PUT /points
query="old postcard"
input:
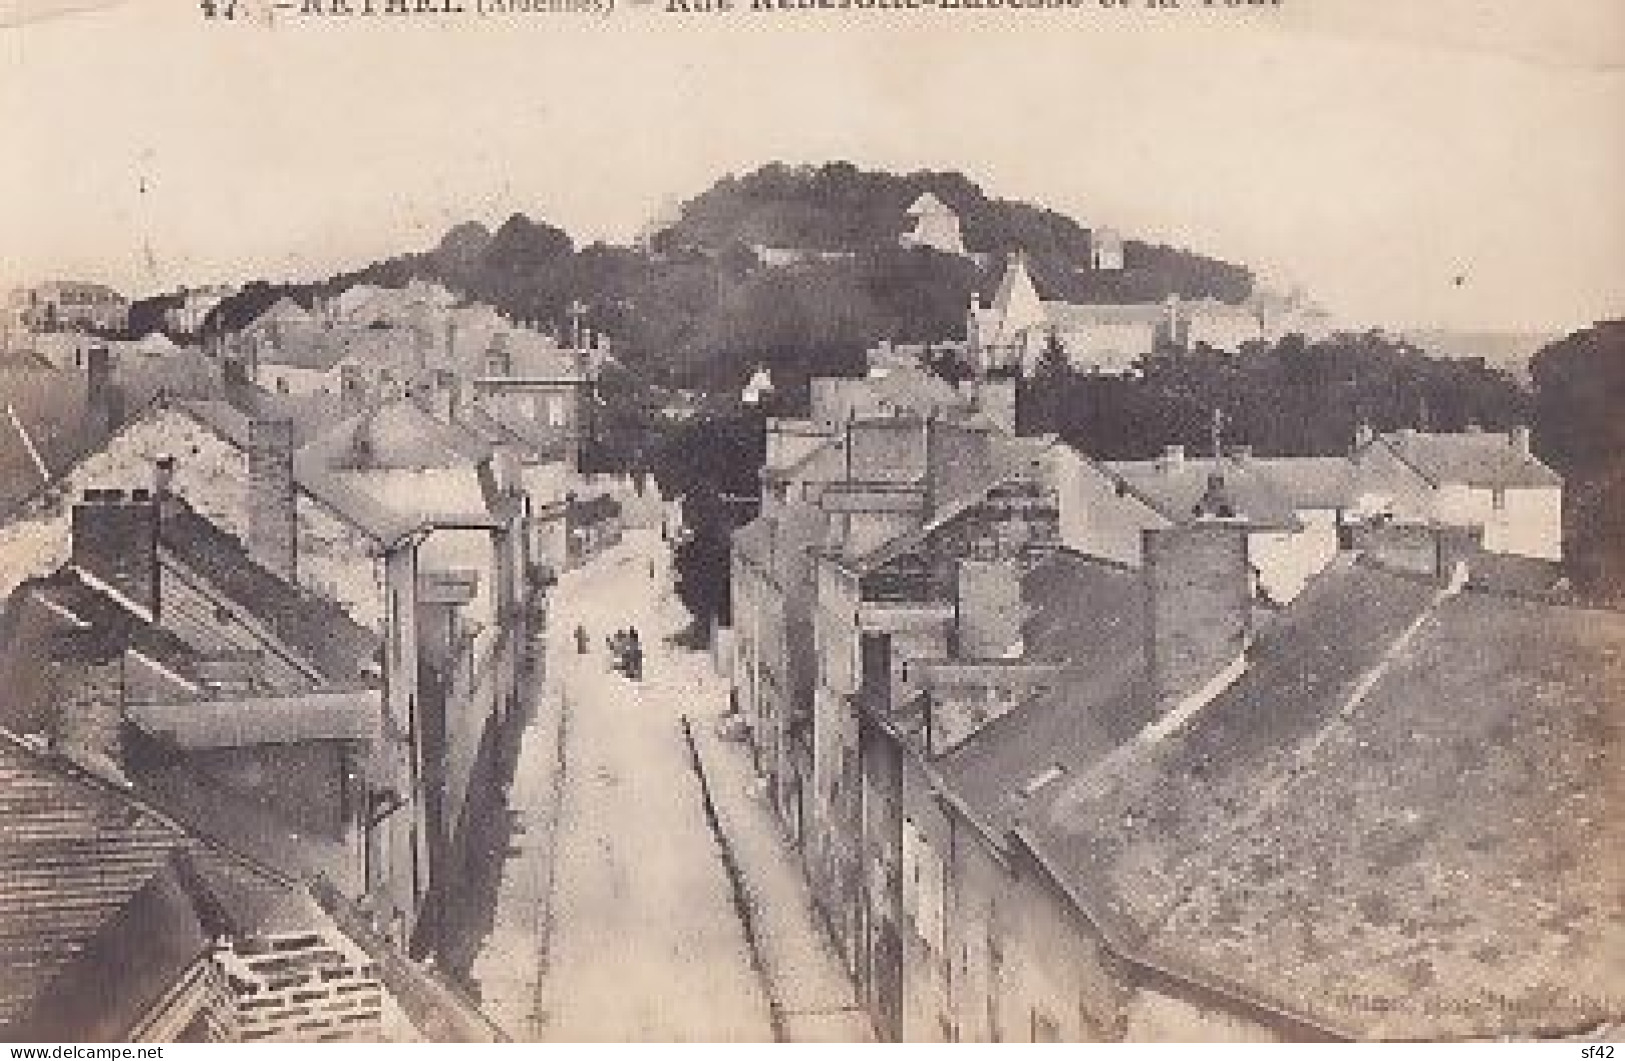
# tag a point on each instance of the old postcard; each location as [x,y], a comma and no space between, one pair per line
[811,520]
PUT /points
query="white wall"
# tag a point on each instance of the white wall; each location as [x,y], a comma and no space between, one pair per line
[1094,519]
[1286,560]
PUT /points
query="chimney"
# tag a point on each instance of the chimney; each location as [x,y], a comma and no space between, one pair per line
[271,526]
[163,476]
[1364,435]
[1242,453]
[1454,549]
[1173,458]
[101,400]
[1520,440]
[352,390]
[1198,589]
[989,609]
[115,539]
[87,679]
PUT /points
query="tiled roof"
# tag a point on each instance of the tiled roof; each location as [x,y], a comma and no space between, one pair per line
[103,901]
[1311,482]
[1477,458]
[316,627]
[1394,824]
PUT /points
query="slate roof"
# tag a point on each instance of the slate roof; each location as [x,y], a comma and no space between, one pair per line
[112,622]
[104,901]
[1174,489]
[400,435]
[316,627]
[1394,824]
[779,542]
[1478,458]
[1311,482]
[50,405]
[1087,617]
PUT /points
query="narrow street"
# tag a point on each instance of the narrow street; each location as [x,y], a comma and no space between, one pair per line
[636,903]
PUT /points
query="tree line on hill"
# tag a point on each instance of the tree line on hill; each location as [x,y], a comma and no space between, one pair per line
[695,307]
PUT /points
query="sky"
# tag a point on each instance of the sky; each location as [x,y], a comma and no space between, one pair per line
[1457,163]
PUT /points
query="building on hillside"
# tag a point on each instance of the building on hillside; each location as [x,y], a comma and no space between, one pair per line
[936,226]
[1106,250]
[1015,330]
[771,257]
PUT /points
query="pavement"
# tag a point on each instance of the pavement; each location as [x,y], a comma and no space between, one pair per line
[646,893]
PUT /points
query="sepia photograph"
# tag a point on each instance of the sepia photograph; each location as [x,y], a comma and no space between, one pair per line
[823,521]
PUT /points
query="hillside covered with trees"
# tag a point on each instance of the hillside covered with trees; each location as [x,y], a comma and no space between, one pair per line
[696,307]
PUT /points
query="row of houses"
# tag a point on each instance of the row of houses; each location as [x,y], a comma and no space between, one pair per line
[372,344]
[1194,748]
[296,634]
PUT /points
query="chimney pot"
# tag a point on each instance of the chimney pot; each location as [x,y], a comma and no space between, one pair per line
[163,475]
[1173,457]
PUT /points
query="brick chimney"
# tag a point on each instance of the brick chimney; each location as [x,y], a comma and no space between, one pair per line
[87,677]
[102,412]
[115,540]
[271,527]
[1198,589]
[1520,440]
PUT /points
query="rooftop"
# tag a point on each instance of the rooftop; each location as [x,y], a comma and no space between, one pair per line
[1173,488]
[104,901]
[1395,823]
[1477,458]
[316,627]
